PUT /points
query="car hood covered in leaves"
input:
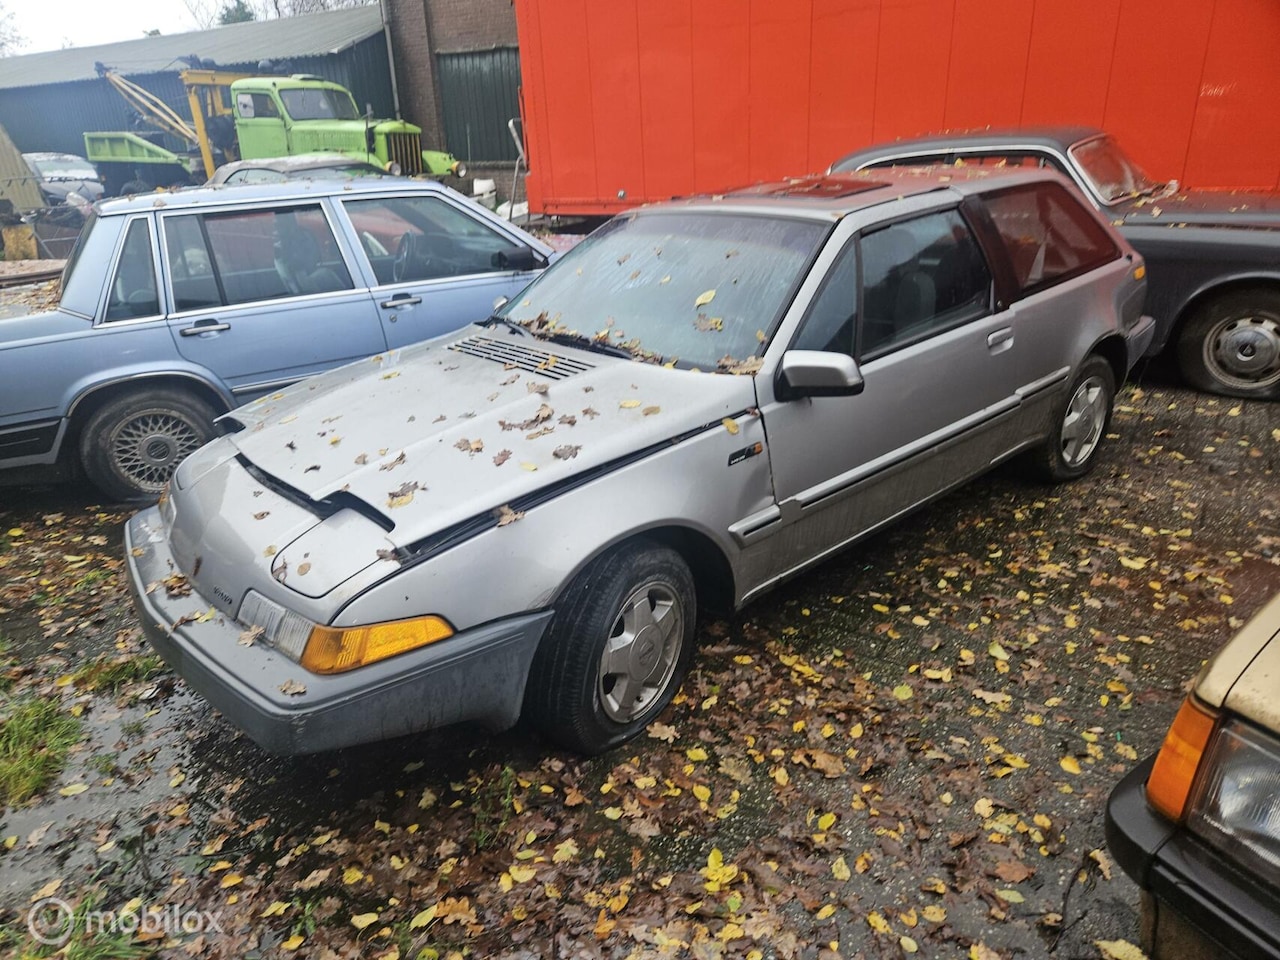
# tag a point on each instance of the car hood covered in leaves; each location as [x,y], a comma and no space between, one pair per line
[437,433]
[1232,208]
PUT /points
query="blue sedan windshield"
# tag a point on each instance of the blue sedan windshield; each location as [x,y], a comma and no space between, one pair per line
[701,289]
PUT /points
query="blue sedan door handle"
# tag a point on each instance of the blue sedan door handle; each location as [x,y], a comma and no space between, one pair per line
[400,300]
[204,326]
[1000,340]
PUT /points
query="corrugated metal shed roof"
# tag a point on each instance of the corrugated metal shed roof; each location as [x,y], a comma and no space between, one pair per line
[239,43]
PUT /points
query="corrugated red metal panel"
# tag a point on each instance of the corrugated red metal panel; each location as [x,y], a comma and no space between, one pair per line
[1236,135]
[665,97]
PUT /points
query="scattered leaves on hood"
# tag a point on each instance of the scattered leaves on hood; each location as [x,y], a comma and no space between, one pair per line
[506,515]
[510,380]
[304,568]
[539,388]
[292,688]
[470,446]
[361,460]
[666,279]
[262,514]
[629,404]
[568,420]
[440,419]
[650,411]
[390,373]
[623,259]
[526,465]
[248,637]
[567,452]
[704,298]
[539,433]
[541,415]
[731,425]
[501,457]
[709,324]
[403,494]
[313,468]
[589,413]
[392,464]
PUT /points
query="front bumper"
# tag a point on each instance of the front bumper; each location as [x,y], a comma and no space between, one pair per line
[1138,339]
[1194,894]
[476,675]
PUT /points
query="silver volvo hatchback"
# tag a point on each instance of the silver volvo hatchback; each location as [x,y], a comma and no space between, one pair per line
[703,398]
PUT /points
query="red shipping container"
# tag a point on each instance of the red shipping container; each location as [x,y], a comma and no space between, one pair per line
[630,101]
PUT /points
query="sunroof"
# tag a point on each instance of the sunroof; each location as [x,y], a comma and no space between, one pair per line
[825,188]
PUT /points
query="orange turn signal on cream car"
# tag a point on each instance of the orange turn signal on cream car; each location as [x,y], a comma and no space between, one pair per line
[1139,272]
[339,649]
[1174,771]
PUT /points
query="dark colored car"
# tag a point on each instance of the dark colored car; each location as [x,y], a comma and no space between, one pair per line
[62,175]
[1213,256]
[1197,826]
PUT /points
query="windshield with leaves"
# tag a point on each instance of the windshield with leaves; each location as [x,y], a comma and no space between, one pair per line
[319,103]
[694,289]
[1112,174]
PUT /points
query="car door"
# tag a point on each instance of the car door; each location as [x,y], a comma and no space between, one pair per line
[263,296]
[432,265]
[939,395]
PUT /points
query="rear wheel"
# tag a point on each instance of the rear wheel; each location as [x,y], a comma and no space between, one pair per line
[1079,424]
[1231,345]
[130,447]
[617,649]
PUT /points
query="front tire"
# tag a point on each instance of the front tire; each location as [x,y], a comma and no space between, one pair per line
[130,447]
[1231,345]
[1079,425]
[617,649]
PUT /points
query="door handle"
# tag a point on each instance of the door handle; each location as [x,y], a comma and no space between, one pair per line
[204,326]
[400,300]
[1004,335]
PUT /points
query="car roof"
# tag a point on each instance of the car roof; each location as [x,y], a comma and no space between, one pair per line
[54,156]
[824,196]
[300,161]
[249,192]
[1056,138]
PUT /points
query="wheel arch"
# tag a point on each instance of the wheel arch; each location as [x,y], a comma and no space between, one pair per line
[91,399]
[713,578]
[1216,291]
[1113,349]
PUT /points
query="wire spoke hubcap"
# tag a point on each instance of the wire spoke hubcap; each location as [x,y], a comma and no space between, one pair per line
[147,448]
[1082,425]
[641,653]
[1245,351]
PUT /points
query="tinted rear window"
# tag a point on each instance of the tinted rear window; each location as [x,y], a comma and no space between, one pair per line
[1049,234]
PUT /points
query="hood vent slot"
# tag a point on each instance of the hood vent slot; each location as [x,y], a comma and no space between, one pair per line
[517,356]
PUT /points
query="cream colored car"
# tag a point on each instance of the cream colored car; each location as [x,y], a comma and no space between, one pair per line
[1197,826]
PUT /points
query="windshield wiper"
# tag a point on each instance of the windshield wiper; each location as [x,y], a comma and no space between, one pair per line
[494,320]
[588,343]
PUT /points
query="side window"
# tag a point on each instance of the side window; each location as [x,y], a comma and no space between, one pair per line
[828,326]
[919,278]
[223,259]
[255,105]
[424,238]
[133,288]
[1048,234]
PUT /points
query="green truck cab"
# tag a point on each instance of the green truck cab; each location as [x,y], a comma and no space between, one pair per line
[263,116]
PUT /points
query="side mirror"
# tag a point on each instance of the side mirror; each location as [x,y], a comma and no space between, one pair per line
[519,258]
[816,373]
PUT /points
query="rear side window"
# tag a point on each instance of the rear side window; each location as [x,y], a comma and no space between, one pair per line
[1049,235]
[133,286]
[224,259]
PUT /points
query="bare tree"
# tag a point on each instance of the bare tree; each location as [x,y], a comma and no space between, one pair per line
[11,41]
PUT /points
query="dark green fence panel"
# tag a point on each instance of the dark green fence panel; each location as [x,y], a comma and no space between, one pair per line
[480,93]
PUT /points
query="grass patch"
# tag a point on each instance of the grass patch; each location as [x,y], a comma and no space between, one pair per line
[111,675]
[87,938]
[34,739]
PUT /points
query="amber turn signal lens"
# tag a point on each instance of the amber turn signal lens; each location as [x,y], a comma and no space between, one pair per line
[1139,272]
[339,649]
[1175,768]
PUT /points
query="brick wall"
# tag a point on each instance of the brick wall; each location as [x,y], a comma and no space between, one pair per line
[461,25]
[422,27]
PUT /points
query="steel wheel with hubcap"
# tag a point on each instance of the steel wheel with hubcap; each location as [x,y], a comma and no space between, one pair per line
[1080,424]
[617,649]
[131,445]
[1231,345]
